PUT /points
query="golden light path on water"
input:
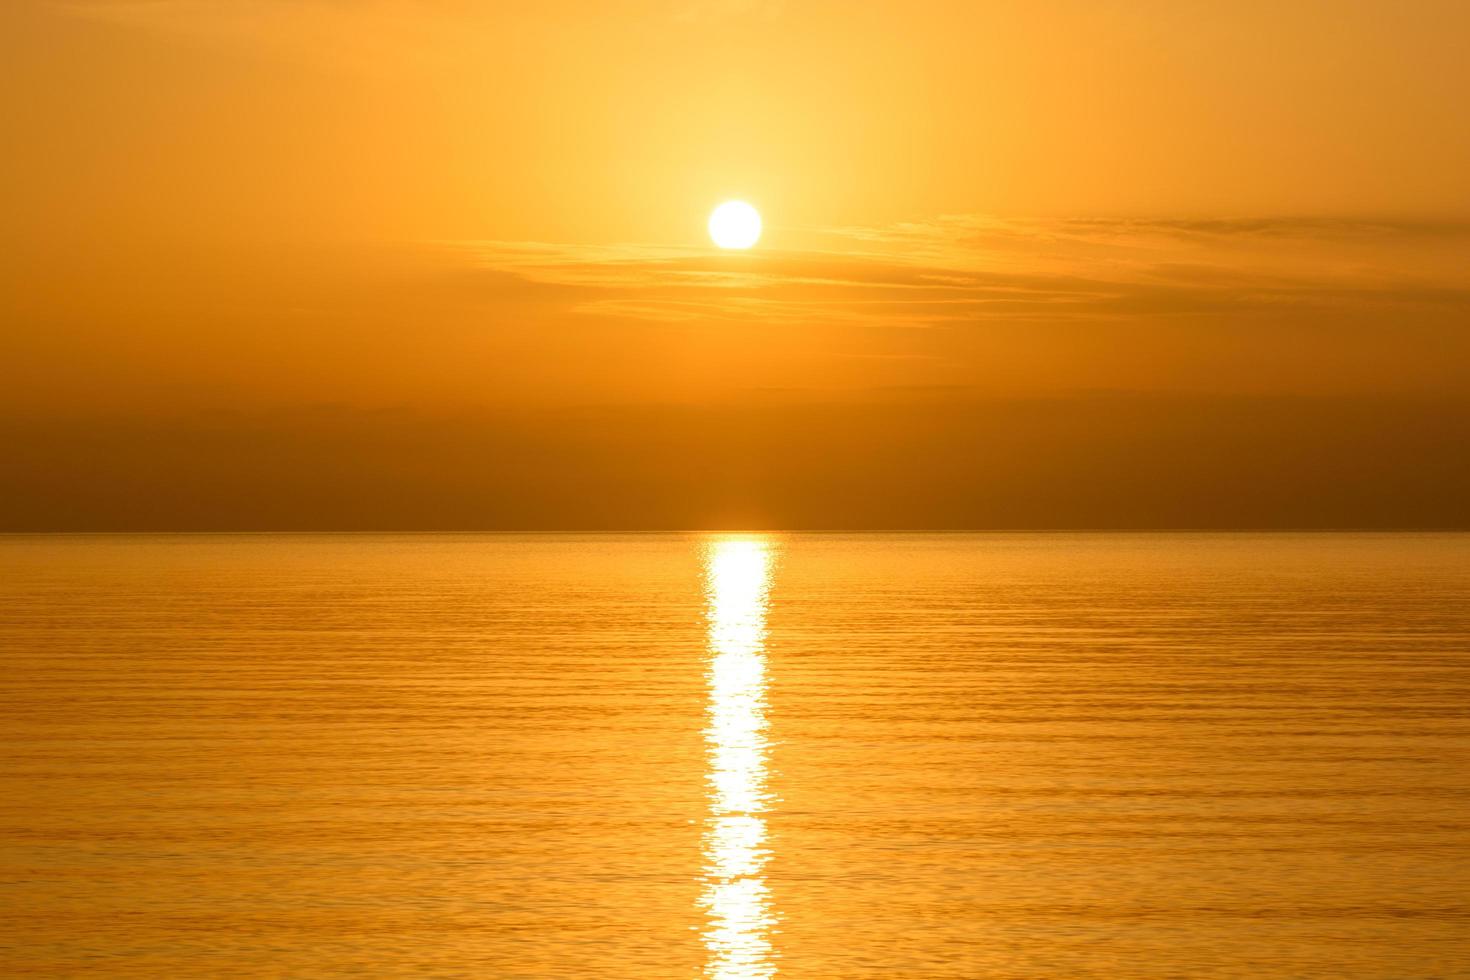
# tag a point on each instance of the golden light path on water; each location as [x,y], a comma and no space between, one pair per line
[736,899]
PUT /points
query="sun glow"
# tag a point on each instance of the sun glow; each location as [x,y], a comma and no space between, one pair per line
[736,898]
[735,224]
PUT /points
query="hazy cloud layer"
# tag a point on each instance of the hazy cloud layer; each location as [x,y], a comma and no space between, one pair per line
[952,461]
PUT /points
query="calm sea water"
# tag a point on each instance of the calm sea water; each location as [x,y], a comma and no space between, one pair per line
[1008,755]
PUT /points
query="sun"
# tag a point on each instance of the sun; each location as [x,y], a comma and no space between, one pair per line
[735,224]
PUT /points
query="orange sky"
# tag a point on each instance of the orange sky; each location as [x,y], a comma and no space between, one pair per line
[1025,264]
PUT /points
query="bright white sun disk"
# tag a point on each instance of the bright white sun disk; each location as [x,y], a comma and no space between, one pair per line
[735,224]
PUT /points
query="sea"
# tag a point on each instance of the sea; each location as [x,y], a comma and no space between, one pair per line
[1008,755]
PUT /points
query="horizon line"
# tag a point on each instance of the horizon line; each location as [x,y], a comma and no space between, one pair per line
[706,531]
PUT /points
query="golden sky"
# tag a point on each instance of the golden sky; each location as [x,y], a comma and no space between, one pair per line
[1025,264]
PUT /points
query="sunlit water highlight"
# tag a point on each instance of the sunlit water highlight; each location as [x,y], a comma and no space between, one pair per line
[738,575]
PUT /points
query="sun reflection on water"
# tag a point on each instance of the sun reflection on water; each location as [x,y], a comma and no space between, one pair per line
[736,899]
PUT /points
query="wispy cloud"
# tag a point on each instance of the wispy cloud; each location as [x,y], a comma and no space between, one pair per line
[968,270]
[370,37]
